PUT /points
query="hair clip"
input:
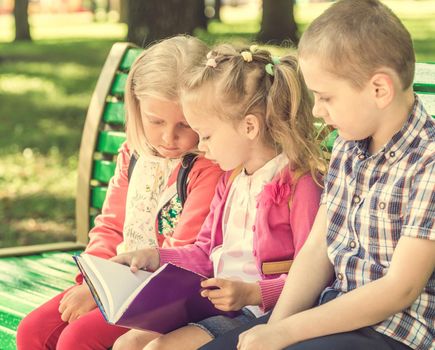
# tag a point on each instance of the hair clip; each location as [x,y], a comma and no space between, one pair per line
[211,62]
[276,60]
[253,48]
[247,56]
[269,69]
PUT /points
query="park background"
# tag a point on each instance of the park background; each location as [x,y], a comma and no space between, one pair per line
[46,84]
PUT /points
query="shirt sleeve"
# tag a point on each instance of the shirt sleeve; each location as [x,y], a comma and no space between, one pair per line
[419,219]
[303,211]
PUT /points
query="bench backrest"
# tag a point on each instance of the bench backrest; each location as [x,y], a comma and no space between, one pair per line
[102,136]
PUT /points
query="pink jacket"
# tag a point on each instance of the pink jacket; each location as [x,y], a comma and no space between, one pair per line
[107,233]
[279,231]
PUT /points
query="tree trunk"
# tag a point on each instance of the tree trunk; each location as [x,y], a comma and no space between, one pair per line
[153,20]
[22,28]
[201,18]
[123,11]
[217,10]
[278,22]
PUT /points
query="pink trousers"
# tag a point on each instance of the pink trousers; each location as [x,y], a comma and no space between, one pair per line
[43,329]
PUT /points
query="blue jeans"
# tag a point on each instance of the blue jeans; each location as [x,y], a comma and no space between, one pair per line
[361,339]
[218,325]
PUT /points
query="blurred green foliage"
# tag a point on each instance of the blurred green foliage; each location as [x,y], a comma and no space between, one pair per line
[45,89]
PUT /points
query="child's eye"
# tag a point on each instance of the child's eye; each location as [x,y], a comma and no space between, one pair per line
[324,99]
[156,122]
[184,125]
[205,138]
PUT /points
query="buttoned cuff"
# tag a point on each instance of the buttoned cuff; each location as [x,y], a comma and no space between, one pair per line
[270,292]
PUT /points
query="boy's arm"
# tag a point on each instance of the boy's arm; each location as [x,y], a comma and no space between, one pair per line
[311,272]
[374,302]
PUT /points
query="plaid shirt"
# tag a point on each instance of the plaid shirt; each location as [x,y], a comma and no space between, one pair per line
[373,200]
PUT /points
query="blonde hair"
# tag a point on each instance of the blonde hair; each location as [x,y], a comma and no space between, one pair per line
[357,37]
[278,98]
[157,72]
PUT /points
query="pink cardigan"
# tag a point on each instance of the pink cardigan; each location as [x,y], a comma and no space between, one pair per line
[279,231]
[107,233]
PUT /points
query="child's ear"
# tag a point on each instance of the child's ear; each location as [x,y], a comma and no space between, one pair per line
[383,89]
[251,126]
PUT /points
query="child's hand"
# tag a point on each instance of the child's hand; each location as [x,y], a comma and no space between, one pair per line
[76,302]
[146,259]
[262,337]
[231,295]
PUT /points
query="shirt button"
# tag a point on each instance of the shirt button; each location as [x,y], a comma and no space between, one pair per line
[340,276]
[392,154]
[361,157]
[253,228]
[352,244]
[382,205]
[356,199]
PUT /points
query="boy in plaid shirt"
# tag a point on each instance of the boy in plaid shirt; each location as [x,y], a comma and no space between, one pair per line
[374,235]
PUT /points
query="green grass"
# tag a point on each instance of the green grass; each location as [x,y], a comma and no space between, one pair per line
[45,89]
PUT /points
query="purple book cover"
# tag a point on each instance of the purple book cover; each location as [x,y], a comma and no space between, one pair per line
[168,299]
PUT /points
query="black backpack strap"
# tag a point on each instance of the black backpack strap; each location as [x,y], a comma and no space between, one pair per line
[186,165]
[131,165]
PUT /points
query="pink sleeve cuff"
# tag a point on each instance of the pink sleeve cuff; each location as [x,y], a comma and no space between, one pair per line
[270,291]
[169,255]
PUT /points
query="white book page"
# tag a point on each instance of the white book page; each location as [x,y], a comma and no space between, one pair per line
[134,293]
[116,280]
[98,287]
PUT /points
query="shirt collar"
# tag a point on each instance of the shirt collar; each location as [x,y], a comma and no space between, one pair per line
[403,139]
[267,172]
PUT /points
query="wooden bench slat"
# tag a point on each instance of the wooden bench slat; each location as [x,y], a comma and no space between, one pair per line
[424,77]
[7,338]
[118,84]
[129,58]
[103,170]
[428,102]
[110,141]
[27,282]
[114,113]
[97,197]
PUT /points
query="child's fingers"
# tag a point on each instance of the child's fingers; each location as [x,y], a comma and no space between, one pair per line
[213,282]
[65,316]
[137,263]
[216,294]
[123,259]
[67,295]
[61,308]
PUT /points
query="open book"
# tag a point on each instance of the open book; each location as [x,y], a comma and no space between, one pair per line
[160,301]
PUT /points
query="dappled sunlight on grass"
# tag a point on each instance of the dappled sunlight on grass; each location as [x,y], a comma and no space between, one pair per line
[45,89]
[36,197]
[65,26]
[21,85]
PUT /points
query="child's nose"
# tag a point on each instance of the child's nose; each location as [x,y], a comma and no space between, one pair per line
[319,111]
[201,146]
[169,135]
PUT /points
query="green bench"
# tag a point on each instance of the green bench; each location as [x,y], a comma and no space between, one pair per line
[31,275]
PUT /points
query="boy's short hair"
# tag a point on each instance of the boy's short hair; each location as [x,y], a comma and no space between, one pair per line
[356,37]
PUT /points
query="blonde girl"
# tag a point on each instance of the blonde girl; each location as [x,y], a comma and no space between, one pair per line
[251,112]
[143,211]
